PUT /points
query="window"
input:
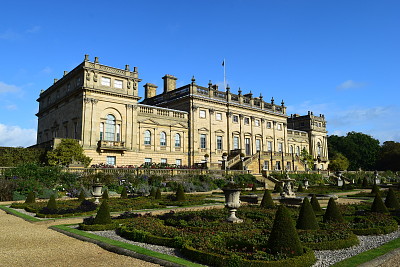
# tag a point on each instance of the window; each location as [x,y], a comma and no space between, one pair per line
[297,151]
[202,113]
[110,128]
[235,142]
[235,118]
[101,130]
[288,166]
[266,165]
[279,126]
[118,84]
[258,144]
[147,161]
[163,161]
[218,116]
[118,131]
[177,140]
[246,120]
[269,146]
[319,124]
[291,150]
[219,142]
[163,139]
[111,160]
[257,123]
[105,81]
[147,137]
[278,165]
[280,147]
[319,149]
[269,125]
[203,139]
[178,162]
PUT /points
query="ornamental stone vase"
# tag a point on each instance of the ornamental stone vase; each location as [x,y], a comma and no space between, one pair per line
[97,192]
[232,203]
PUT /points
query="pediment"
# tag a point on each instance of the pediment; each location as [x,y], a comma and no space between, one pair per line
[219,131]
[203,129]
[179,125]
[149,121]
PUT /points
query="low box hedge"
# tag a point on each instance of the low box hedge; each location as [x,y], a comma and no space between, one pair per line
[97,227]
[334,244]
[143,236]
[376,230]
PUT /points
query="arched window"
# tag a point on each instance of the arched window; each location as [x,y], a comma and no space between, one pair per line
[110,128]
[291,150]
[319,149]
[147,138]
[163,139]
[177,140]
[297,151]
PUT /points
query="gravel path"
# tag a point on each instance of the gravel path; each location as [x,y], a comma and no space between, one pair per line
[26,244]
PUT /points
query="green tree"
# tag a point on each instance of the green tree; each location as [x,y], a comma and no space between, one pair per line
[180,194]
[105,195]
[307,219]
[378,205]
[338,162]
[65,153]
[14,156]
[284,238]
[103,214]
[389,156]
[375,190]
[307,159]
[267,201]
[158,193]
[81,196]
[332,213]
[52,204]
[391,200]
[315,204]
[30,198]
[300,188]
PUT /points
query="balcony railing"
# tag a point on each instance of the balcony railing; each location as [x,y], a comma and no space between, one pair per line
[111,145]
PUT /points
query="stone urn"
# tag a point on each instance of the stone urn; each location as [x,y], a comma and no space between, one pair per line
[232,201]
[97,192]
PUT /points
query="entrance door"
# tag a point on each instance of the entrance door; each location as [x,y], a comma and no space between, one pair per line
[247,145]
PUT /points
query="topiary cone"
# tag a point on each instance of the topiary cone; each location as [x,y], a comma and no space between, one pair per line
[180,194]
[300,188]
[158,193]
[81,196]
[315,204]
[332,213]
[52,205]
[103,214]
[375,190]
[267,201]
[283,238]
[307,219]
[153,192]
[378,205]
[365,182]
[105,194]
[391,201]
[30,198]
[124,193]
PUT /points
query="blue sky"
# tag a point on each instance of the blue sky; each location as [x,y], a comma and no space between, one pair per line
[338,58]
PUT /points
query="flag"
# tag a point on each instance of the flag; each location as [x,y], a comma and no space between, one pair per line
[223,63]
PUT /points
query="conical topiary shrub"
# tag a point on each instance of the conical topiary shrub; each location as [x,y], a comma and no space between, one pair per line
[283,238]
[359,181]
[81,196]
[307,219]
[52,204]
[278,188]
[180,194]
[124,193]
[365,182]
[105,194]
[300,188]
[158,193]
[391,201]
[103,214]
[267,201]
[332,213]
[378,205]
[153,192]
[315,204]
[375,190]
[30,198]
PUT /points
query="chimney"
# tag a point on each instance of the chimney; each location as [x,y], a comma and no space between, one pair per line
[169,83]
[150,90]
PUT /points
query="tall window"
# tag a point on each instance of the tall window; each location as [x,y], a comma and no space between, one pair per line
[258,145]
[147,161]
[178,162]
[269,146]
[110,128]
[291,150]
[246,120]
[297,151]
[269,125]
[219,142]
[105,81]
[257,123]
[163,161]
[218,116]
[147,137]
[319,149]
[203,141]
[177,140]
[202,113]
[235,142]
[279,126]
[235,118]
[280,147]
[163,139]
[101,131]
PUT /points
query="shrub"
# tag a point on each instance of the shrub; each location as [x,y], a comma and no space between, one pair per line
[315,204]
[103,214]
[283,238]
[365,183]
[378,205]
[267,201]
[105,194]
[153,192]
[254,187]
[7,188]
[30,198]
[307,219]
[180,194]
[81,196]
[124,193]
[391,201]
[158,193]
[278,188]
[332,213]
[52,204]
[375,190]
[300,188]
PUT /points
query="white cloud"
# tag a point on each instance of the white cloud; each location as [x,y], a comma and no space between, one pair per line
[8,88]
[11,107]
[12,136]
[350,84]
[34,29]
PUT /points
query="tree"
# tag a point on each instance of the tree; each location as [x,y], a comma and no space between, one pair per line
[307,159]
[124,193]
[378,205]
[66,153]
[391,201]
[103,215]
[338,162]
[300,188]
[52,204]
[315,204]
[332,213]
[389,156]
[30,198]
[105,195]
[307,219]
[158,193]
[180,194]
[267,201]
[375,190]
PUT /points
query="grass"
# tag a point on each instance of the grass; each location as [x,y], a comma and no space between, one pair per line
[19,214]
[130,247]
[370,254]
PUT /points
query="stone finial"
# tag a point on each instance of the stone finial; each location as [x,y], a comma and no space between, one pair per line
[193,80]
[96,60]
[135,69]
[86,57]
[41,91]
[282,103]
[209,84]
[272,101]
[261,97]
[55,80]
[127,68]
[239,91]
[228,88]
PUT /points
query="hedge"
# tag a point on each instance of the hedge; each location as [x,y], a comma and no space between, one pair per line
[334,244]
[376,230]
[97,227]
[143,236]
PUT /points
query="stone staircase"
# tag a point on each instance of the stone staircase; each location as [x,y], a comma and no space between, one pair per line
[269,182]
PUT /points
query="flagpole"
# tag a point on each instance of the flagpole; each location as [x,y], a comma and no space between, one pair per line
[224,64]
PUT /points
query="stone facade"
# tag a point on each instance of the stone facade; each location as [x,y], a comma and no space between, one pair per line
[99,105]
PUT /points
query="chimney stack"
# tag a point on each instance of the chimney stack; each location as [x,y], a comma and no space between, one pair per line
[150,90]
[169,83]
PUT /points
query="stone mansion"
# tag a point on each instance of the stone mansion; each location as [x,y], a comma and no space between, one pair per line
[99,106]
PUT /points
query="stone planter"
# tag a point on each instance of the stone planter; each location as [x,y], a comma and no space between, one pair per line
[232,203]
[97,192]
